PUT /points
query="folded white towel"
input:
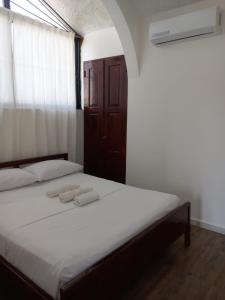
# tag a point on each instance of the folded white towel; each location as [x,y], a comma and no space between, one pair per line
[66,188]
[86,198]
[70,195]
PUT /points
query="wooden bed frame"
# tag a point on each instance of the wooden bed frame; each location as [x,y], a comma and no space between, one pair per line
[109,277]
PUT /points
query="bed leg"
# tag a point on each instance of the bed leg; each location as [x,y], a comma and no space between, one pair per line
[187,238]
[187,234]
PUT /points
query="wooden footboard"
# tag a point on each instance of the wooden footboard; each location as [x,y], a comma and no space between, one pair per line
[109,277]
[18,286]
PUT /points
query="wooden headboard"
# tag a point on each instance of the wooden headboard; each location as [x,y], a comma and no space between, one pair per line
[18,163]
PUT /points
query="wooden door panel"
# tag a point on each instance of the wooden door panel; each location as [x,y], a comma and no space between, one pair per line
[114,170]
[91,166]
[113,72]
[115,117]
[93,131]
[93,89]
[115,84]
[105,97]
[93,83]
[115,131]
[93,114]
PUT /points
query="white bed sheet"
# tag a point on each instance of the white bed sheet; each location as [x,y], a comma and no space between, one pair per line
[51,242]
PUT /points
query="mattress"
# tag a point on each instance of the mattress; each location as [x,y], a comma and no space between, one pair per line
[51,242]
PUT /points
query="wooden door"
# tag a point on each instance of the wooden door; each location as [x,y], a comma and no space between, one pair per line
[105,86]
[115,118]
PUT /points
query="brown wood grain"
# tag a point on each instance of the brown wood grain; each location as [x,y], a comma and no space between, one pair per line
[105,118]
[93,116]
[107,279]
[18,163]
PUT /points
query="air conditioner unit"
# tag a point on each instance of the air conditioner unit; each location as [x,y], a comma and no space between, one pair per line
[198,23]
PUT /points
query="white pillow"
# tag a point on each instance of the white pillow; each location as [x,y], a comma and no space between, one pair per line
[51,169]
[14,178]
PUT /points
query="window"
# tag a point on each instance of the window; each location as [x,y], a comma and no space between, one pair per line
[35,9]
[37,64]
[44,66]
[41,11]
[37,82]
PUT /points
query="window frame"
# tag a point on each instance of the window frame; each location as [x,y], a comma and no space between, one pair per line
[6,4]
[78,43]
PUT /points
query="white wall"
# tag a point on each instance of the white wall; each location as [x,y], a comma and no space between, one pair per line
[98,44]
[176,120]
[126,21]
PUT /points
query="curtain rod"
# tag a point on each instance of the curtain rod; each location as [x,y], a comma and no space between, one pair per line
[49,7]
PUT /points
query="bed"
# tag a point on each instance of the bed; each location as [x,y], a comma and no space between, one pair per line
[59,251]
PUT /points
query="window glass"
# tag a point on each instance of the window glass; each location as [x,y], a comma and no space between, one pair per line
[35,10]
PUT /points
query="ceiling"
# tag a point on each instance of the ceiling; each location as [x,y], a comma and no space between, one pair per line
[90,15]
[83,15]
[150,7]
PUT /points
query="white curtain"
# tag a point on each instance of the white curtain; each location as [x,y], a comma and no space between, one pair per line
[6,87]
[42,119]
[6,90]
